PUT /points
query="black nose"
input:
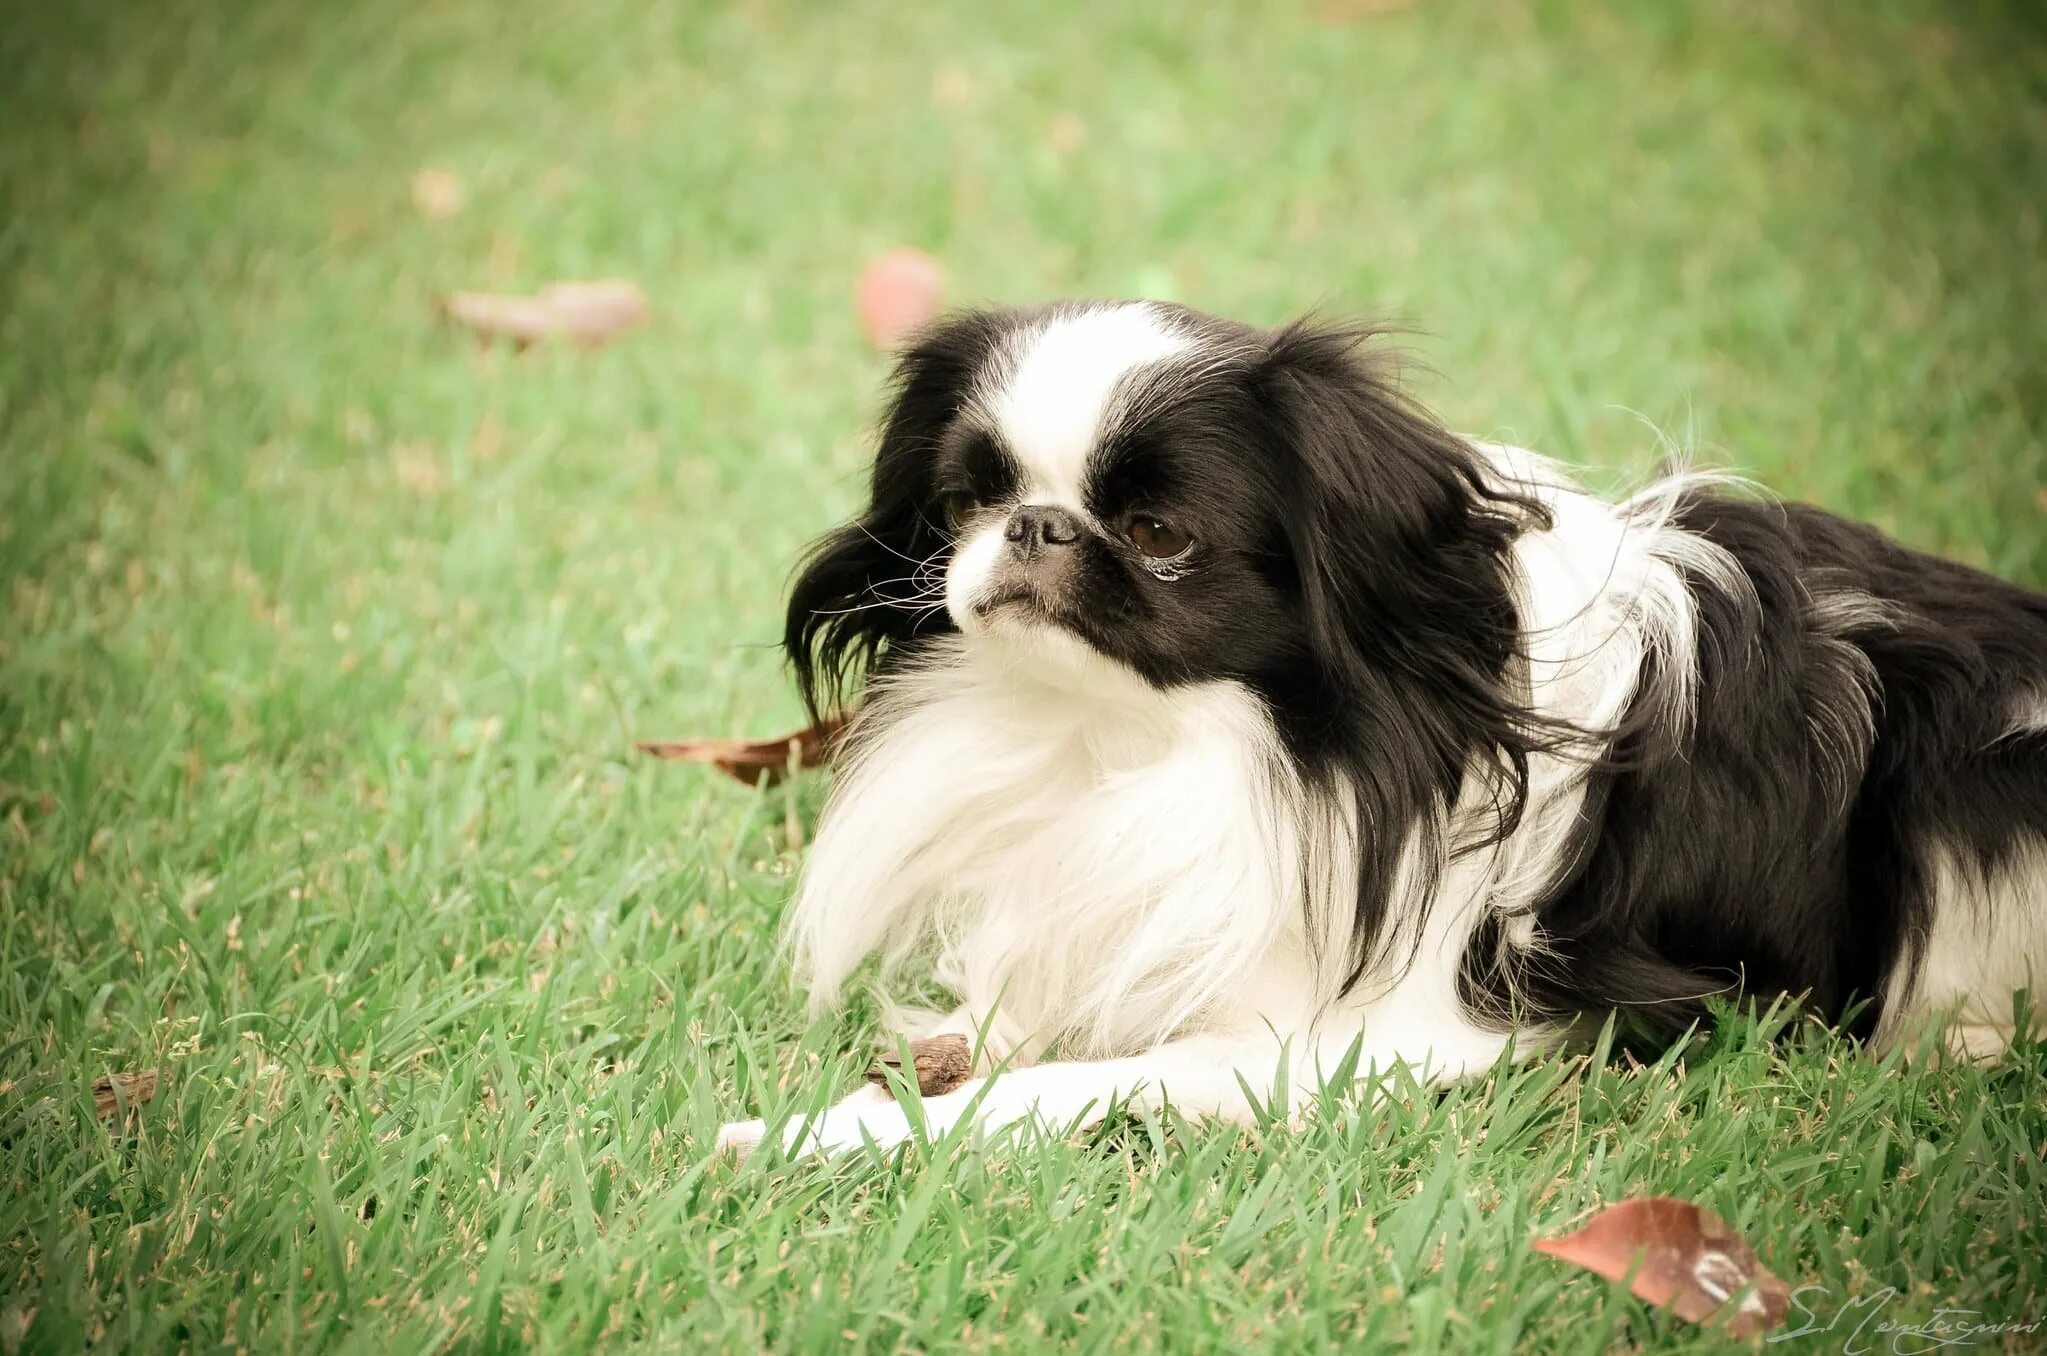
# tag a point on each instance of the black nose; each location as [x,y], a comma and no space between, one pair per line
[1036,525]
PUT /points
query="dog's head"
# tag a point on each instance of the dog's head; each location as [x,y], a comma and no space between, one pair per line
[1138,492]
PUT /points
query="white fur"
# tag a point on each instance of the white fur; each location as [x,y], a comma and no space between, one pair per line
[1597,591]
[967,577]
[2030,714]
[1103,863]
[1987,939]
[1050,399]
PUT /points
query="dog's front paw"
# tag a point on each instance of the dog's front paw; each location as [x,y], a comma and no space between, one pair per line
[870,1114]
[847,1127]
[740,1138]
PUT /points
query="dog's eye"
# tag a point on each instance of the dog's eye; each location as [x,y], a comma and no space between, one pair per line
[1158,539]
[956,506]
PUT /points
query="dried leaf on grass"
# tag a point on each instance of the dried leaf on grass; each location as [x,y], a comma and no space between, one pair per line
[588,312]
[1691,1262]
[114,1092]
[757,762]
[437,194]
[941,1064]
[897,295]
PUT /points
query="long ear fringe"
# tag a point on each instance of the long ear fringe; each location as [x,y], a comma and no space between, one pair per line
[867,587]
[824,646]
[1403,541]
[852,600]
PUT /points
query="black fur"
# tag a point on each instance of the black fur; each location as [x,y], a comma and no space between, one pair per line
[1784,848]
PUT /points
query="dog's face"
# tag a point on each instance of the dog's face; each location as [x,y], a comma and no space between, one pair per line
[1100,490]
[1107,492]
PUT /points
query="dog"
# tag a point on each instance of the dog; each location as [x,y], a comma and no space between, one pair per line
[1228,722]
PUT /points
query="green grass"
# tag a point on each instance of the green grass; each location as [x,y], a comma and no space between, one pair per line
[326,636]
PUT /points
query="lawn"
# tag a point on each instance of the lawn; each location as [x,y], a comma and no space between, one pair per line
[328,634]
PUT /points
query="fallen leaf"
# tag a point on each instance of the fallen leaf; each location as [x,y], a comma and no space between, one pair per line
[1068,133]
[114,1092]
[941,1064]
[437,194]
[757,762]
[588,312]
[1691,1262]
[418,467]
[487,441]
[899,293]
[952,87]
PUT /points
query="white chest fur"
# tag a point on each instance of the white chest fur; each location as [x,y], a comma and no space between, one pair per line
[1104,867]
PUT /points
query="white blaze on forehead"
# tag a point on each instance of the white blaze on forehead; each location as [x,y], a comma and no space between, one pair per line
[1049,405]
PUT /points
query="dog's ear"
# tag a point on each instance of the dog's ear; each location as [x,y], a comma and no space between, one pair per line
[1399,537]
[1400,545]
[871,584]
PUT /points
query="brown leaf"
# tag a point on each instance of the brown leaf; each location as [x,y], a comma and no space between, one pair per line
[952,87]
[587,312]
[898,294]
[116,1091]
[1068,133]
[437,194]
[941,1063]
[1692,1263]
[757,762]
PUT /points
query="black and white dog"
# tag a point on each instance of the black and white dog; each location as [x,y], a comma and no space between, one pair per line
[1225,714]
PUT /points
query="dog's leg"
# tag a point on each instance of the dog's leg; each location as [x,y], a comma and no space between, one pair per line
[1231,1077]
[742,1137]
[1197,1075]
[1225,1077]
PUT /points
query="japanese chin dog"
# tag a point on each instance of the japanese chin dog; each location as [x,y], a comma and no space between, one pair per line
[1230,725]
